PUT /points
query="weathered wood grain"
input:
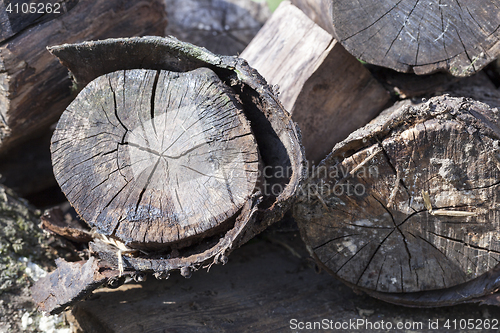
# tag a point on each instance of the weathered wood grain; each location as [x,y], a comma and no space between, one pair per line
[156,157]
[328,92]
[459,37]
[364,215]
[34,87]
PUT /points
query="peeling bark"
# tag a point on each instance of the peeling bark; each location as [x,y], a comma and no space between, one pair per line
[237,91]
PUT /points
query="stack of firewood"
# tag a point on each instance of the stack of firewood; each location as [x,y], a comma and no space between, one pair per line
[375,125]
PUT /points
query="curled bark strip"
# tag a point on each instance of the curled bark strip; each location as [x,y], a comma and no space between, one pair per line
[69,283]
[121,127]
[54,221]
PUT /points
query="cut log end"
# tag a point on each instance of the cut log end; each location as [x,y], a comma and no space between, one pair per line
[156,157]
[421,37]
[409,203]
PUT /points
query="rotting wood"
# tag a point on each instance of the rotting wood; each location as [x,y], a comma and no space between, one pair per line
[420,36]
[436,240]
[275,135]
[35,87]
[328,92]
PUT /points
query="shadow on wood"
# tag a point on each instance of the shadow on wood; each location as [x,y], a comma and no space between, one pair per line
[328,92]
[35,87]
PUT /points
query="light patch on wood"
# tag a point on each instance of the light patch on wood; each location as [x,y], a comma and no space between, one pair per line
[443,212]
[394,191]
[366,160]
[349,244]
[364,223]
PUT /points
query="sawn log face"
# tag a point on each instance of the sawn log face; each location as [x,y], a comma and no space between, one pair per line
[155,157]
[410,202]
[459,37]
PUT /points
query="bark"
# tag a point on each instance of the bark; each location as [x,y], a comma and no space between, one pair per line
[35,87]
[328,92]
[56,222]
[406,206]
[71,281]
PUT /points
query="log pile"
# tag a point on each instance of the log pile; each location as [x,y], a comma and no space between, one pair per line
[176,156]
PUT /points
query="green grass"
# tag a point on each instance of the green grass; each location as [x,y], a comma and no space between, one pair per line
[272,4]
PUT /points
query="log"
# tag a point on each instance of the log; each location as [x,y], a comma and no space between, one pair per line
[35,87]
[150,139]
[401,85]
[266,286]
[317,10]
[328,92]
[405,207]
[164,153]
[223,26]
[420,37]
